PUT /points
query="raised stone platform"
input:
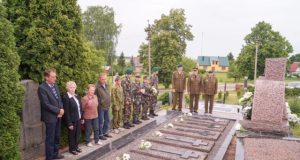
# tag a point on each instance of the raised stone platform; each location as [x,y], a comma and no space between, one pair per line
[195,138]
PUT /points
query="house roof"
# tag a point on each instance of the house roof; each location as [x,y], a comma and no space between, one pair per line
[206,60]
[294,66]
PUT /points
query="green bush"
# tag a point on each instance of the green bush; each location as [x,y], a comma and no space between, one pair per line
[220,95]
[226,94]
[294,104]
[164,98]
[11,92]
[239,93]
[292,92]
[250,89]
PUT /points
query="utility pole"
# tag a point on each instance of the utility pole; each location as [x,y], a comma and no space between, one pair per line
[256,52]
[148,30]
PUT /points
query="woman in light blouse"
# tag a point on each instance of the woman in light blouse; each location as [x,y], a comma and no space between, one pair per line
[73,116]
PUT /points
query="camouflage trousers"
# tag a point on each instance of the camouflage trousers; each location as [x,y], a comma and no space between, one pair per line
[117,118]
[127,112]
[136,111]
[145,107]
[153,103]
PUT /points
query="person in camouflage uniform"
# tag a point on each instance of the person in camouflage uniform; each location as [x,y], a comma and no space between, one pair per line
[137,99]
[154,83]
[117,100]
[127,90]
[146,90]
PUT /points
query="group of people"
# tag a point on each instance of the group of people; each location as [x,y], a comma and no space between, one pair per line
[127,97]
[195,85]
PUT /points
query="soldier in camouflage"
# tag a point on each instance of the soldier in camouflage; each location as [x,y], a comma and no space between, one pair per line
[146,90]
[154,84]
[127,90]
[117,100]
[137,99]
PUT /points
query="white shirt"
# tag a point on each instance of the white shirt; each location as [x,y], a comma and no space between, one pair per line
[77,102]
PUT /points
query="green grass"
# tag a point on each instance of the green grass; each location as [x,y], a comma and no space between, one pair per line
[223,77]
[296,131]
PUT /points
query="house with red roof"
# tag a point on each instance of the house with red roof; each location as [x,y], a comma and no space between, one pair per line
[295,68]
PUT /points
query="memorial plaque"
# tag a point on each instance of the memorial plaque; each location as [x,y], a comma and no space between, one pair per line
[198,126]
[208,120]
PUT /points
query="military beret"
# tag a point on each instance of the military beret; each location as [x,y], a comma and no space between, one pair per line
[129,71]
[154,69]
[146,77]
[210,71]
[179,65]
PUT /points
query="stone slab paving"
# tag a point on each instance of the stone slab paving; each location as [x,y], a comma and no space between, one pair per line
[271,149]
[182,141]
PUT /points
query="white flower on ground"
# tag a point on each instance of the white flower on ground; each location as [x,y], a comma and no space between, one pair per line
[145,145]
[181,120]
[158,134]
[126,156]
[189,114]
[169,125]
[238,127]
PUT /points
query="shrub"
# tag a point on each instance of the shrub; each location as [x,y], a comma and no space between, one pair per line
[250,89]
[220,93]
[294,104]
[11,92]
[292,92]
[164,98]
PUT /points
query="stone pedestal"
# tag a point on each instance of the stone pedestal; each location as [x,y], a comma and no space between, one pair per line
[268,110]
[268,101]
[32,134]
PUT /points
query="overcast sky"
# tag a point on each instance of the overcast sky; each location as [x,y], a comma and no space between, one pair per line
[224,23]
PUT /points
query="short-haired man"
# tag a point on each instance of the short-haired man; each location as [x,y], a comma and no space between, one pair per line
[51,113]
[103,94]
[210,88]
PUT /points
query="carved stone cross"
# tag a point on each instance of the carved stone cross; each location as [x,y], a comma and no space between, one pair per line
[194,142]
[183,154]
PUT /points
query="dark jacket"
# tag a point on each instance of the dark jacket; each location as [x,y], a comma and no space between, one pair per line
[103,96]
[71,109]
[50,106]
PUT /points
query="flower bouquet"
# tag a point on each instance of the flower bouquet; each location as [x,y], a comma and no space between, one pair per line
[157,134]
[125,156]
[145,145]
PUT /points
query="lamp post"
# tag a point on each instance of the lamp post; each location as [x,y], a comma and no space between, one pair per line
[148,30]
[256,52]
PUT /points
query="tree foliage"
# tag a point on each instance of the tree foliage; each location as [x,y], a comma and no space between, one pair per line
[49,35]
[230,57]
[11,92]
[168,43]
[188,64]
[121,64]
[100,28]
[270,45]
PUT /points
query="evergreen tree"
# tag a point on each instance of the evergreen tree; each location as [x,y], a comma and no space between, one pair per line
[50,36]
[11,92]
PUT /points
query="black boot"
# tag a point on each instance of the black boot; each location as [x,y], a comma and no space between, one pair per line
[152,112]
[126,126]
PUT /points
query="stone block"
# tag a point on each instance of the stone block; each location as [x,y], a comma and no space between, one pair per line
[275,69]
[268,102]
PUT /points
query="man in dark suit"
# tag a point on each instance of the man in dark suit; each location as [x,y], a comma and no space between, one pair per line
[51,113]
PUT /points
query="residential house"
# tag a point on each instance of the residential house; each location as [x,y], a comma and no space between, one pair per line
[213,63]
[294,68]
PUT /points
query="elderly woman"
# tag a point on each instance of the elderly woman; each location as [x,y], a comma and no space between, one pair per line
[73,116]
[90,108]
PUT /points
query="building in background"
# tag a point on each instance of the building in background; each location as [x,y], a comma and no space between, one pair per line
[213,63]
[294,68]
[137,66]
